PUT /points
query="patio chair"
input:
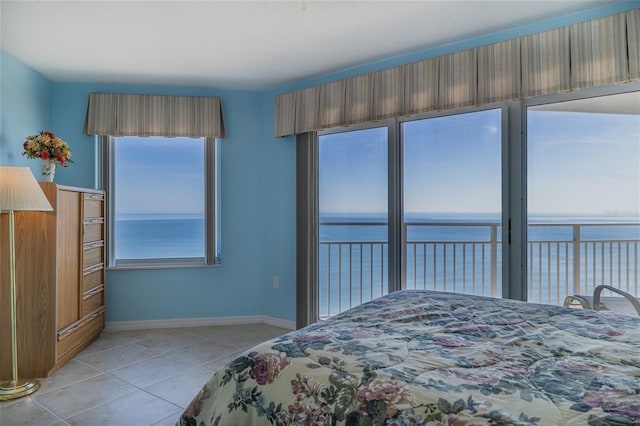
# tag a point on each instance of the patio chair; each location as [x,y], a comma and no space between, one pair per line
[627,304]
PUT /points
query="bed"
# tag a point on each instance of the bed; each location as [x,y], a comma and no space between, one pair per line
[423,357]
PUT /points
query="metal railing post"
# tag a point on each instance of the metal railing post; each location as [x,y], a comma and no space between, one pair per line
[494,260]
[576,258]
[403,263]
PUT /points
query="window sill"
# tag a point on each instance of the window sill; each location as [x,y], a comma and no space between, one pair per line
[160,264]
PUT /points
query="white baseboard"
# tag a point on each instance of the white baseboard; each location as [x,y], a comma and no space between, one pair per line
[199,322]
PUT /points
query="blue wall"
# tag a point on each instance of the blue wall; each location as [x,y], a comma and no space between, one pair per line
[258,185]
[237,286]
[278,177]
[25,109]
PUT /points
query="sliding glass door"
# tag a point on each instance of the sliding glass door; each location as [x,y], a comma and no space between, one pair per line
[440,228]
[583,186]
[453,203]
[354,250]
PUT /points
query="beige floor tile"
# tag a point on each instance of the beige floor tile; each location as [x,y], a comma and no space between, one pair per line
[180,389]
[245,342]
[271,330]
[244,338]
[216,364]
[138,408]
[117,357]
[151,370]
[202,352]
[170,341]
[26,411]
[73,371]
[81,396]
[113,339]
[180,331]
[226,331]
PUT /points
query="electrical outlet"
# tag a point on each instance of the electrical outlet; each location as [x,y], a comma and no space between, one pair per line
[276,281]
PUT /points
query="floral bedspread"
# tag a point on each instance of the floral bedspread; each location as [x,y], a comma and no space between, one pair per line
[430,358]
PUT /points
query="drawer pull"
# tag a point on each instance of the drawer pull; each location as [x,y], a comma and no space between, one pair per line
[95,314]
[93,292]
[94,196]
[92,269]
[94,244]
[64,333]
[93,221]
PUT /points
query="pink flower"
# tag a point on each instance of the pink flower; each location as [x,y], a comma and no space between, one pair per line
[394,394]
[604,330]
[450,342]
[614,401]
[312,338]
[266,367]
[308,413]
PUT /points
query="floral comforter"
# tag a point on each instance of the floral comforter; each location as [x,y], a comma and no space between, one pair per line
[429,358]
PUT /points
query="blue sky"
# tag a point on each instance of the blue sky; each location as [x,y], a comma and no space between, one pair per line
[160,175]
[451,164]
[583,163]
[353,171]
[578,164]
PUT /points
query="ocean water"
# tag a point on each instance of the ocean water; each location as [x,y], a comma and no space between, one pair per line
[546,227]
[353,256]
[159,236]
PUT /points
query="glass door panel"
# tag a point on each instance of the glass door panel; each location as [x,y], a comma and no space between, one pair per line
[583,196]
[353,205]
[452,203]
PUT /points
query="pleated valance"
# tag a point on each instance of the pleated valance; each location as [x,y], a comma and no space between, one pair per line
[587,54]
[120,114]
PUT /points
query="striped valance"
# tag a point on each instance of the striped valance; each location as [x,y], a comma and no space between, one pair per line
[588,54]
[120,114]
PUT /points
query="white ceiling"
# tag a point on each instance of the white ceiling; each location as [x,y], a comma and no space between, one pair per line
[248,45]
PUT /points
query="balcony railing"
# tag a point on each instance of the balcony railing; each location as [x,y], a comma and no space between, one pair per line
[562,259]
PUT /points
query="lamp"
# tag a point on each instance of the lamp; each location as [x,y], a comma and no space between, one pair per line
[18,191]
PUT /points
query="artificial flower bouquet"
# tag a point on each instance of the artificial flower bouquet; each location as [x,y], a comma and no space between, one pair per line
[47,146]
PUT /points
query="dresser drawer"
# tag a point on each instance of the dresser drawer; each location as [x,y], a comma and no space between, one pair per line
[93,205]
[78,334]
[93,230]
[93,254]
[92,278]
[92,300]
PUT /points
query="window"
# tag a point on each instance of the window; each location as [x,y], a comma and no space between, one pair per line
[353,252]
[453,202]
[162,201]
[583,196]
[444,175]
[558,173]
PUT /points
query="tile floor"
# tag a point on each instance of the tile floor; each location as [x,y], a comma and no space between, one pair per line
[136,377]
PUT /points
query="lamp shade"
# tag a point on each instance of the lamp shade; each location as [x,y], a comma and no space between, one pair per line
[20,191]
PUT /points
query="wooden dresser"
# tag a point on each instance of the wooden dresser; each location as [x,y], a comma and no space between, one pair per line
[59,280]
